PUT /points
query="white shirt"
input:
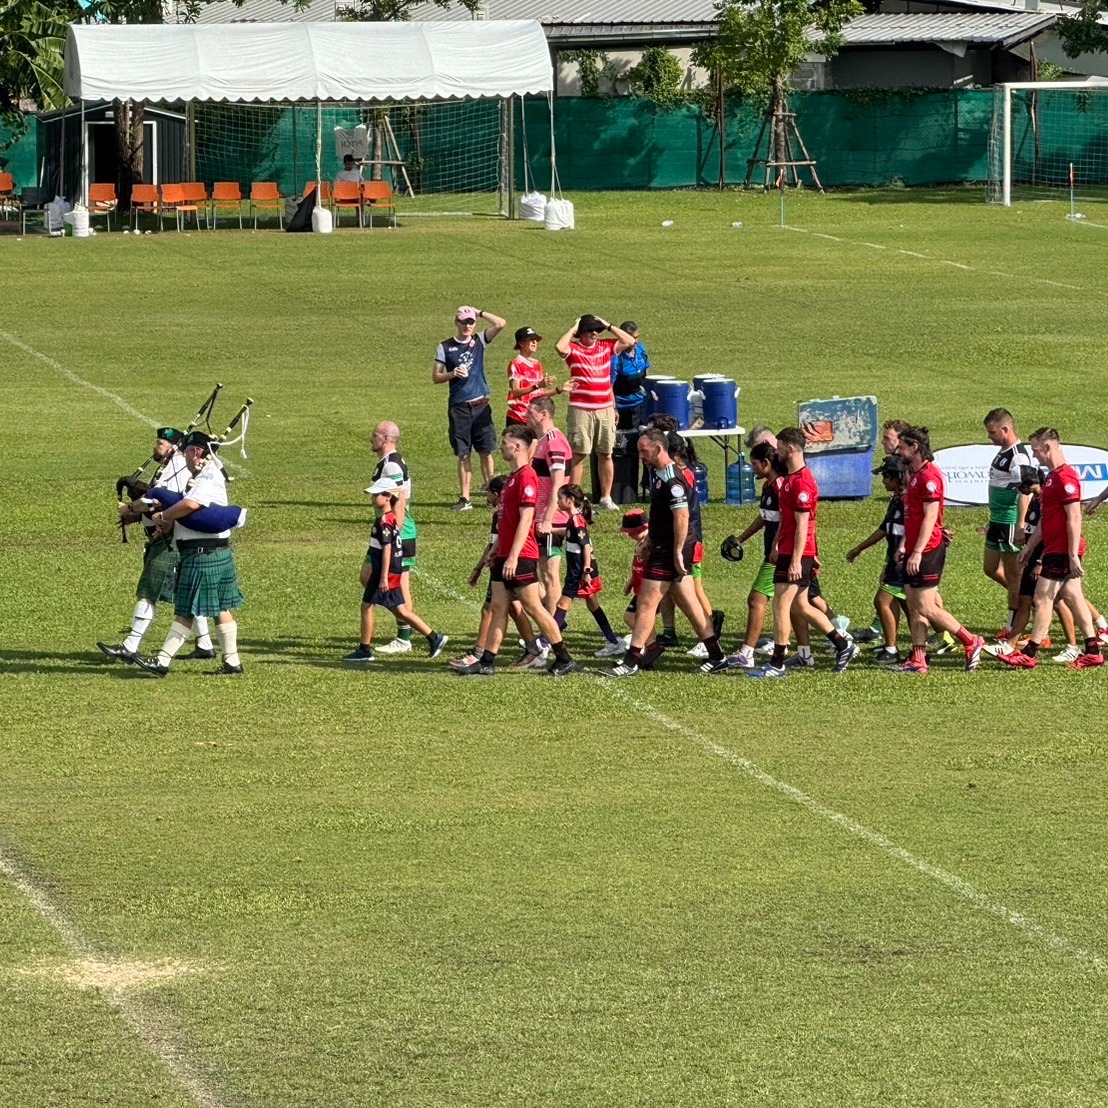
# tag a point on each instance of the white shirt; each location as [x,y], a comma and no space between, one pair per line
[208,488]
[349,175]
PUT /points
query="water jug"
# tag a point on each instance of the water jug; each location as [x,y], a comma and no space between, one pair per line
[700,472]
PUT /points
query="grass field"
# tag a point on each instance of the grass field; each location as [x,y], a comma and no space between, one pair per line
[322,887]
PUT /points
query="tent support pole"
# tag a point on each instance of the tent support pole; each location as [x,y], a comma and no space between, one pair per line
[82,186]
[190,137]
[319,151]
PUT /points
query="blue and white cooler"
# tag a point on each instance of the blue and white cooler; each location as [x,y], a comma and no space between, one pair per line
[842,434]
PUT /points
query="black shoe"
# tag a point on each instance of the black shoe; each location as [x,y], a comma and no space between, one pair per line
[201,652]
[668,638]
[151,666]
[622,669]
[868,635]
[435,643]
[226,670]
[711,666]
[362,654]
[476,669]
[651,653]
[717,622]
[120,653]
[885,657]
[562,669]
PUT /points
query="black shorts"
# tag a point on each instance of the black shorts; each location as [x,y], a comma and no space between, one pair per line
[383,598]
[633,606]
[1056,567]
[814,591]
[471,428]
[660,565]
[781,571]
[1029,580]
[408,549]
[527,573]
[893,575]
[930,569]
[628,419]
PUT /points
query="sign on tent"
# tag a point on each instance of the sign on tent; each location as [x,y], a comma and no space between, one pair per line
[351,140]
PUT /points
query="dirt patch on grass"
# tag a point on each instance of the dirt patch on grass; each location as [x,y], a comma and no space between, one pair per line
[113,976]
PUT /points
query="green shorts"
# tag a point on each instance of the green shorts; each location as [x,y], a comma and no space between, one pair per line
[695,571]
[894,590]
[763,583]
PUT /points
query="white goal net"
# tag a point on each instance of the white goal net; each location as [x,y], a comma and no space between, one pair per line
[1039,132]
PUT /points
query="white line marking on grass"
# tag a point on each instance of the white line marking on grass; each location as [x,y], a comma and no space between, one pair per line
[962,888]
[111,397]
[936,261]
[150,1030]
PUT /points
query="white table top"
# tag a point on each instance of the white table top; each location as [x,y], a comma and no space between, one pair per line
[720,432]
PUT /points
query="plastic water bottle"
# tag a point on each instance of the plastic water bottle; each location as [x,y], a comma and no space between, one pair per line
[749,494]
[734,483]
[700,472]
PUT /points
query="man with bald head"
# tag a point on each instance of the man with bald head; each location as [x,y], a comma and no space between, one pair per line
[384,442]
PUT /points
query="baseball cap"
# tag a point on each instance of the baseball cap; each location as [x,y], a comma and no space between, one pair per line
[634,520]
[466,314]
[525,333]
[589,323]
[892,466]
[383,485]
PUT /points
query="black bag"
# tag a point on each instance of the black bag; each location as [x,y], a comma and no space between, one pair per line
[302,217]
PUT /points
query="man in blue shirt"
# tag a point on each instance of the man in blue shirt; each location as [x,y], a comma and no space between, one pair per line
[629,371]
[460,363]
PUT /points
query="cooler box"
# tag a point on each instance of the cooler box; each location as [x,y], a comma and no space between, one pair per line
[842,436]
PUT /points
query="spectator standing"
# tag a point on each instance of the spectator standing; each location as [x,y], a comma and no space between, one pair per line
[629,371]
[527,380]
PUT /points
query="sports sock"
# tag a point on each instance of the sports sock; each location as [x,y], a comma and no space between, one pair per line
[889,649]
[560,615]
[778,658]
[178,633]
[837,640]
[1102,624]
[488,658]
[963,636]
[560,652]
[633,656]
[919,656]
[229,639]
[1092,646]
[746,651]
[203,633]
[404,632]
[1031,648]
[144,613]
[715,652]
[804,651]
[604,625]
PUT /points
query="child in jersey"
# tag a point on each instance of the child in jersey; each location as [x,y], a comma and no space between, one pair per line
[889,601]
[381,576]
[582,573]
[770,471]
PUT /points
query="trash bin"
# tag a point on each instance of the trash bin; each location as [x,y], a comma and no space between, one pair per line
[625,461]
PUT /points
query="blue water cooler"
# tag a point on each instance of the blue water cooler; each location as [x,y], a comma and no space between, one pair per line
[845,430]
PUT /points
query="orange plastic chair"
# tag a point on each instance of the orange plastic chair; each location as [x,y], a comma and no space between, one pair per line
[102,201]
[8,200]
[196,192]
[226,195]
[347,194]
[378,196]
[145,198]
[175,201]
[324,195]
[265,195]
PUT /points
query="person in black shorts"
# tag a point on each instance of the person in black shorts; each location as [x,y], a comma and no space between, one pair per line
[669,559]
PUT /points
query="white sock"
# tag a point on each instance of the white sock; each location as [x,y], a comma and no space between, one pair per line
[889,649]
[1102,624]
[229,639]
[804,651]
[1011,619]
[203,635]
[746,651]
[176,638]
[144,613]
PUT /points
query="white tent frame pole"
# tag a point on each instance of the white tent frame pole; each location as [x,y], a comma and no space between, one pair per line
[319,153]
[82,186]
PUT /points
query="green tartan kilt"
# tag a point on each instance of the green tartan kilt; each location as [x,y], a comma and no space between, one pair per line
[159,572]
[207,584]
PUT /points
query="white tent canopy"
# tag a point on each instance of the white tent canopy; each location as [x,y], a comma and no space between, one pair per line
[307,61]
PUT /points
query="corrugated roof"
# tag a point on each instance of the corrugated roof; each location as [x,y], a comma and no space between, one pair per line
[993,29]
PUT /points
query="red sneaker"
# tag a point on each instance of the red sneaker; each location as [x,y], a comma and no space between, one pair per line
[1002,636]
[1018,660]
[973,653]
[1087,661]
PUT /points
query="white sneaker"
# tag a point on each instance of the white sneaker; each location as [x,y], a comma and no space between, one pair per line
[611,650]
[764,647]
[698,651]
[397,646]
[539,661]
[1070,654]
[608,504]
[738,660]
[1002,649]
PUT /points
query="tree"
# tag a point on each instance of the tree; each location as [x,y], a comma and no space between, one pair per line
[32,48]
[391,11]
[1083,33]
[761,43]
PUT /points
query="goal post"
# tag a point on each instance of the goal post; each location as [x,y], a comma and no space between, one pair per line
[1039,131]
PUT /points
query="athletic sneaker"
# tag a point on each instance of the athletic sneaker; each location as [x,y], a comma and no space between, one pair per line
[1018,660]
[669,639]
[476,669]
[120,653]
[562,669]
[1003,636]
[868,635]
[465,660]
[538,661]
[1087,661]
[764,646]
[362,654]
[1102,635]
[711,666]
[769,670]
[226,670]
[911,669]
[973,653]
[462,505]
[846,655]
[611,649]
[717,621]
[841,624]
[151,666]
[942,643]
[199,652]
[621,669]
[528,660]
[435,643]
[1070,654]
[397,646]
[608,504]
[999,649]
[698,651]
[885,657]
[651,654]
[738,660]
[798,662]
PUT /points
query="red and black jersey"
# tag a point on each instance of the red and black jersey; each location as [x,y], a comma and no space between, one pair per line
[797,495]
[925,486]
[769,508]
[669,493]
[521,490]
[386,536]
[1061,487]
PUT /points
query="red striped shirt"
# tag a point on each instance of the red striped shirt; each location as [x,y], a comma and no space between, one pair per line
[521,373]
[591,368]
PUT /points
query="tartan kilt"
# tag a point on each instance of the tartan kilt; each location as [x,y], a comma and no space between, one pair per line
[159,572]
[207,584]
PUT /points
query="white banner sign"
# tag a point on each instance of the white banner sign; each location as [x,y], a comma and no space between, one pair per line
[966,469]
[351,140]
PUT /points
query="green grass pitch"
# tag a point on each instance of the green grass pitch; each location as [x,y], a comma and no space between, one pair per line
[332,888]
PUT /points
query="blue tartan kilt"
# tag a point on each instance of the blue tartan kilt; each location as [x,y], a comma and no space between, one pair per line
[158,581]
[207,584]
